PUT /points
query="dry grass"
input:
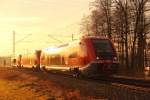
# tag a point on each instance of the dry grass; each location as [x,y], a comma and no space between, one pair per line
[23,85]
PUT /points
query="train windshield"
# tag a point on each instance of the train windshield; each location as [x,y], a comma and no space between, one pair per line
[102,44]
[103,47]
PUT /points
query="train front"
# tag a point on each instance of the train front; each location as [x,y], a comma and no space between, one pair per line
[102,57]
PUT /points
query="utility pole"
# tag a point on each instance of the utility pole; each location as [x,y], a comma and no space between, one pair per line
[72,37]
[14,44]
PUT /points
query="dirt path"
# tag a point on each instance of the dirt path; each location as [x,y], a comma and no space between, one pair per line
[28,85]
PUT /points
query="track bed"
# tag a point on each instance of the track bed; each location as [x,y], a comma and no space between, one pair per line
[23,84]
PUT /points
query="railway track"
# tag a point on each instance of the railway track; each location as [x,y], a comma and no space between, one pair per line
[139,82]
[67,83]
[117,87]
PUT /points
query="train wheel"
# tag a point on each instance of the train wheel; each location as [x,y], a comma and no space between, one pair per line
[44,69]
[33,68]
[18,66]
[77,73]
[37,68]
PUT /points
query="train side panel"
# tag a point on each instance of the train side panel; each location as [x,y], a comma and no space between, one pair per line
[84,52]
[76,55]
[89,53]
[29,60]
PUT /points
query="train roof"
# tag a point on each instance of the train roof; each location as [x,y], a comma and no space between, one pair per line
[94,37]
[62,46]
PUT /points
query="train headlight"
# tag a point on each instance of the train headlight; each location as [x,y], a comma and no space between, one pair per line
[97,58]
[115,59]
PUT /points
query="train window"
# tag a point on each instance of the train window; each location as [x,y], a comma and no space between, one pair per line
[102,44]
[73,55]
[55,59]
[103,47]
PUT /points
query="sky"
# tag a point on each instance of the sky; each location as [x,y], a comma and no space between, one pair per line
[39,23]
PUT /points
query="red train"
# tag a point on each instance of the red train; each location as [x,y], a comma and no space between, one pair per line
[91,55]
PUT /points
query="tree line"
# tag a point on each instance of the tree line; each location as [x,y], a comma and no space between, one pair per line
[127,23]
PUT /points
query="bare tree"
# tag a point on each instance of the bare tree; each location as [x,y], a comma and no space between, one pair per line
[135,22]
[122,14]
[138,11]
[103,7]
[86,25]
[98,23]
[128,21]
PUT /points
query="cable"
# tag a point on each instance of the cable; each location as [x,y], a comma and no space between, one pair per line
[54,38]
[23,38]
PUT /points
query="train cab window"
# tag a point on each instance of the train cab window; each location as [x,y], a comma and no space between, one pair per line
[103,47]
[73,55]
[102,44]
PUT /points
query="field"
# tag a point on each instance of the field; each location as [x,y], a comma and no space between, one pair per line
[23,84]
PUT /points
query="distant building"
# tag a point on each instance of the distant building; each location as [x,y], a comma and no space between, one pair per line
[5,61]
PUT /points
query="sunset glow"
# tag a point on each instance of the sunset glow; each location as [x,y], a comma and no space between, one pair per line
[34,20]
